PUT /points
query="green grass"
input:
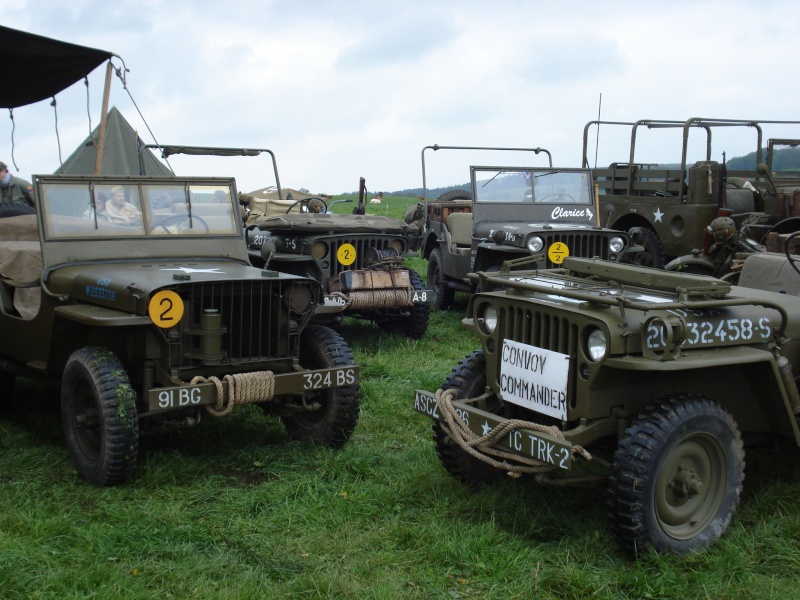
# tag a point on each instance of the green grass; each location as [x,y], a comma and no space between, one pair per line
[231,509]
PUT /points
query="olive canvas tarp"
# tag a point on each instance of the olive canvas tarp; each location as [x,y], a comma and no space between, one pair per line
[120,152]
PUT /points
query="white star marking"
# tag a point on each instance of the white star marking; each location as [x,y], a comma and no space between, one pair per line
[190,270]
[658,214]
[486,428]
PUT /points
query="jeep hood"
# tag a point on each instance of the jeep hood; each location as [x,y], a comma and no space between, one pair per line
[127,286]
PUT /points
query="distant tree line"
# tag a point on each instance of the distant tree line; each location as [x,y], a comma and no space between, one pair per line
[786,159]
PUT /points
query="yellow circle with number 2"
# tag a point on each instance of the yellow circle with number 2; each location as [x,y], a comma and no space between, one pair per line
[165,309]
[558,252]
[346,254]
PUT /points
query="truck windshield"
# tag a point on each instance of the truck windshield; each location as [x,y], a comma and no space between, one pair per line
[137,209]
[532,186]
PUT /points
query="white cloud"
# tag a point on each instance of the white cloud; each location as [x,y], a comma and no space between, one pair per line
[342,89]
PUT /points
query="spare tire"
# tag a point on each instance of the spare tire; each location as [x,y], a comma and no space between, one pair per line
[454,195]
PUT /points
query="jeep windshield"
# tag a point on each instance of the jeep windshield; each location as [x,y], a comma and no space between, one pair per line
[110,218]
[532,186]
[124,208]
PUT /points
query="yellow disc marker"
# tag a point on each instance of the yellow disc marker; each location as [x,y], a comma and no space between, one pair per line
[346,254]
[558,252]
[165,309]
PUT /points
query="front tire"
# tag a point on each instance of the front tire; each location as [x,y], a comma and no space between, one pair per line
[468,378]
[333,424]
[98,411]
[436,281]
[416,323]
[676,476]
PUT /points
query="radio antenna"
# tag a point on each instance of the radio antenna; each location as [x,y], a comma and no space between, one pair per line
[597,140]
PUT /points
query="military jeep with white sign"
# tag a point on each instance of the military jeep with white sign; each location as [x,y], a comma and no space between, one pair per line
[136,293]
[513,212]
[657,378]
[358,259]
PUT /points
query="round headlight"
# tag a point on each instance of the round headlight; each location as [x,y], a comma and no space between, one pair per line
[398,247]
[535,243]
[596,345]
[488,318]
[299,299]
[319,250]
[616,244]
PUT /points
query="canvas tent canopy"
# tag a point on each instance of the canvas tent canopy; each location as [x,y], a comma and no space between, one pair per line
[40,67]
[120,152]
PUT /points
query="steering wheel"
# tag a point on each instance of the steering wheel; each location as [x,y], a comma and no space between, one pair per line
[792,258]
[562,194]
[164,223]
[313,205]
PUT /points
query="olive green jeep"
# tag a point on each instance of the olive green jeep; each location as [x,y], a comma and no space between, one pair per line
[136,293]
[358,259]
[657,378]
[513,212]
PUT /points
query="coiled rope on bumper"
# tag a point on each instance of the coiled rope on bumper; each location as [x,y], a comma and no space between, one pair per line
[243,388]
[483,447]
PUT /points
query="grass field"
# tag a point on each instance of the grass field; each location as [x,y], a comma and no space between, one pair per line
[230,509]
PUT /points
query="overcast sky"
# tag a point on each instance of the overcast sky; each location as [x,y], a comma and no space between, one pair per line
[347,89]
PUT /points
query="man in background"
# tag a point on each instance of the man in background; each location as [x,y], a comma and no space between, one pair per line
[14,189]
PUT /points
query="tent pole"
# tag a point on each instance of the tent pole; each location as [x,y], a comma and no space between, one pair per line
[101,136]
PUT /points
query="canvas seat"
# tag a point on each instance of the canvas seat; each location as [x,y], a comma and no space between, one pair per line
[459,224]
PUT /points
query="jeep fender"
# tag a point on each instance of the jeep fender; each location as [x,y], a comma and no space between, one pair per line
[706,371]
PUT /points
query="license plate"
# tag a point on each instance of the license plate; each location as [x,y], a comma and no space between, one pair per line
[525,442]
[181,397]
[425,296]
[298,382]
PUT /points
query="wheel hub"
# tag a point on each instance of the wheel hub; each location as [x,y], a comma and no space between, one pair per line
[686,483]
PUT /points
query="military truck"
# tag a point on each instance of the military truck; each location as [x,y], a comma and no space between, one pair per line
[732,237]
[137,294]
[513,212]
[647,380]
[669,206]
[358,259]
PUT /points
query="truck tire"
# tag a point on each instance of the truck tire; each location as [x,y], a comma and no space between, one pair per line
[416,324]
[453,195]
[468,378]
[436,281]
[653,255]
[333,424]
[676,476]
[98,411]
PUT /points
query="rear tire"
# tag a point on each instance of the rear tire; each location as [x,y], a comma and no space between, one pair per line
[98,411]
[676,476]
[453,195]
[653,255]
[437,282]
[333,424]
[468,378]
